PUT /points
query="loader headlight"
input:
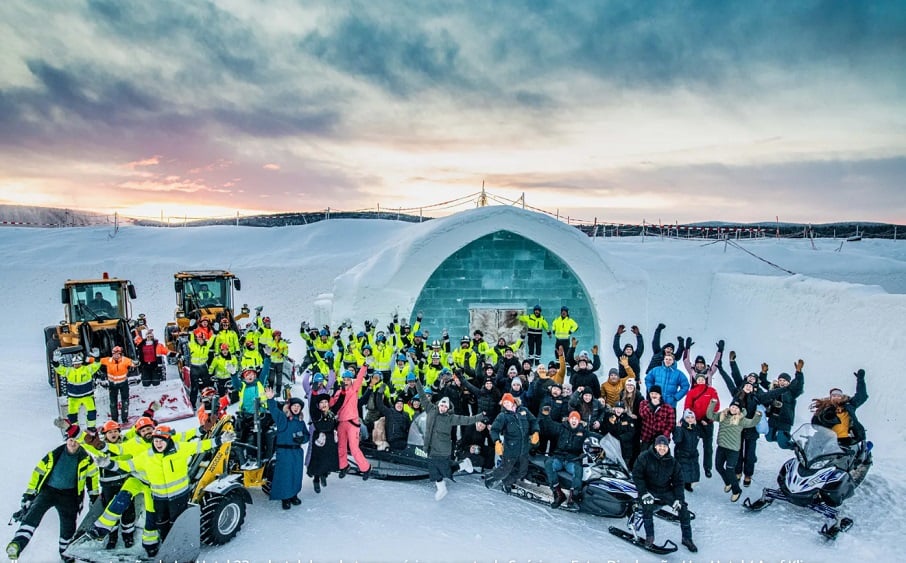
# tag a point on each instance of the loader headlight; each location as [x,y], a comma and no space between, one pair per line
[64,327]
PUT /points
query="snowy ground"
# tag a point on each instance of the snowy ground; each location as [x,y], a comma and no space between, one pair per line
[706,291]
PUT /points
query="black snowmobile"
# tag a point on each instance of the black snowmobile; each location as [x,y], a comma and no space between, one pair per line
[607,486]
[410,464]
[821,476]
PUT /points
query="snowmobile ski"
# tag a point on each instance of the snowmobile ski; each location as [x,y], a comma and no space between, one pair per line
[538,494]
[671,516]
[667,547]
[831,532]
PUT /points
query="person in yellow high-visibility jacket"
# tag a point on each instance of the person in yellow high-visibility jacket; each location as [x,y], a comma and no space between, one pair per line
[165,467]
[563,327]
[80,389]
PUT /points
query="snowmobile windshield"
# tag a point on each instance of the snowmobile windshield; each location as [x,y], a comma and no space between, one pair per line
[612,452]
[417,430]
[816,441]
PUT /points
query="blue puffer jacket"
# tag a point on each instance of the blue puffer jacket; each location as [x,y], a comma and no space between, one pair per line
[674,383]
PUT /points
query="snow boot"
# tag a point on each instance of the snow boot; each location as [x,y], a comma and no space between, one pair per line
[688,487]
[152,549]
[572,500]
[690,545]
[316,483]
[649,541]
[344,471]
[747,481]
[559,497]
[13,550]
[366,475]
[128,539]
[295,501]
[708,473]
[112,539]
[97,533]
[735,496]
[728,488]
[286,504]
[441,490]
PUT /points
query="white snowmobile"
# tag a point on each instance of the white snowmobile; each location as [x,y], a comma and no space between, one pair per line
[821,476]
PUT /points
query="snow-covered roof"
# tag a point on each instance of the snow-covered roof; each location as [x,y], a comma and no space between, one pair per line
[392,279]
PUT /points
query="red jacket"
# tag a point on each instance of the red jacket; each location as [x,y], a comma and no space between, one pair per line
[698,398]
[660,421]
[350,408]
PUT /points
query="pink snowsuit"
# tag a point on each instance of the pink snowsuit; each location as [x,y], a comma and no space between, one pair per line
[348,429]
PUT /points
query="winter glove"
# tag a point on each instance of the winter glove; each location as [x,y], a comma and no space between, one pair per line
[677,505]
[798,365]
[764,367]
[61,423]
[648,499]
[498,447]
[549,334]
[573,342]
[720,346]
[661,326]
[92,439]
[621,329]
[534,438]
[594,350]
[154,406]
[231,368]
[103,461]
[27,499]
[860,373]
[418,317]
[396,318]
[635,330]
[225,437]
[258,310]
[689,342]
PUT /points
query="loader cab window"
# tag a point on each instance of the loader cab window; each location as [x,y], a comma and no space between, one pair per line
[95,302]
[207,293]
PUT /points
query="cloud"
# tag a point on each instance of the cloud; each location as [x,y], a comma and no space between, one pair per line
[271,166]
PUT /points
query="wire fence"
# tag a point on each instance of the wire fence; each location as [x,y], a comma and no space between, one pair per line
[593,227]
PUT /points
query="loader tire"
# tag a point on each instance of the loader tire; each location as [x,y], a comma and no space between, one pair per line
[222,517]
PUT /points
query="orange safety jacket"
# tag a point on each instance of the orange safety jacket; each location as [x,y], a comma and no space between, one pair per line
[117,370]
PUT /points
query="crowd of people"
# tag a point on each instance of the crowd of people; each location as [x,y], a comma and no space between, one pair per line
[480,400]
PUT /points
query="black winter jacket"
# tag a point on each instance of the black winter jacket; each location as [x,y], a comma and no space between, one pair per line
[658,475]
[571,442]
[634,359]
[781,402]
[515,428]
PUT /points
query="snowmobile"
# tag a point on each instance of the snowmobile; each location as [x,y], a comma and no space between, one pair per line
[216,513]
[410,464]
[607,486]
[820,477]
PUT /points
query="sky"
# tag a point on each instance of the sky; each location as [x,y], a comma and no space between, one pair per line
[617,110]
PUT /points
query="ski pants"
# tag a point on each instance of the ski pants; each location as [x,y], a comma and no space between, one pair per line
[782,437]
[747,457]
[150,374]
[73,405]
[439,468]
[533,346]
[275,378]
[510,470]
[725,462]
[167,510]
[119,393]
[554,464]
[116,508]
[348,442]
[667,499]
[707,434]
[67,504]
[127,520]
[199,378]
